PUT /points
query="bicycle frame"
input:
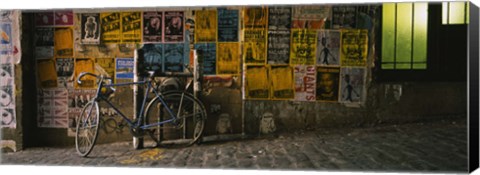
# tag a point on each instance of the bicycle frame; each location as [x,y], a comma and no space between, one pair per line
[131,123]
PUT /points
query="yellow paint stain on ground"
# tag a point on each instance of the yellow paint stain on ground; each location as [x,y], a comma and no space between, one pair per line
[148,155]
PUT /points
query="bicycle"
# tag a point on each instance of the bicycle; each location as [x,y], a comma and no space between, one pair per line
[182,109]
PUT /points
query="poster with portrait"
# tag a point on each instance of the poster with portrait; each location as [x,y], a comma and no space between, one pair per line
[279,18]
[352,85]
[52,108]
[278,51]
[310,17]
[327,83]
[303,47]
[47,74]
[228,58]
[123,68]
[257,85]
[305,82]
[254,48]
[106,67]
[152,27]
[44,19]
[153,57]
[344,17]
[174,55]
[131,30]
[63,18]
[208,53]
[255,17]
[328,48]
[282,85]
[84,65]
[65,69]
[174,26]
[227,25]
[354,47]
[206,26]
[6,38]
[110,26]
[63,42]
[90,28]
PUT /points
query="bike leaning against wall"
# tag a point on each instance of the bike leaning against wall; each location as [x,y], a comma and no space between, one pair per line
[175,108]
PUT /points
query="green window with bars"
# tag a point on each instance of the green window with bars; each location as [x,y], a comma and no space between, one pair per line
[404,36]
[455,12]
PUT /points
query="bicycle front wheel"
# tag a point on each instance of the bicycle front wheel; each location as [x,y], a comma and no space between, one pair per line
[87,128]
[188,126]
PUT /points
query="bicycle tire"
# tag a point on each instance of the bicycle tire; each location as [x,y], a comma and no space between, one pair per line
[190,105]
[87,128]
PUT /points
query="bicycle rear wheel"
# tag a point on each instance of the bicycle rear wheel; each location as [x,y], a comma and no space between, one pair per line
[87,128]
[186,129]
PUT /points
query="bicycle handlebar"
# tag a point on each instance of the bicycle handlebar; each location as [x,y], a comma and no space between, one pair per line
[79,80]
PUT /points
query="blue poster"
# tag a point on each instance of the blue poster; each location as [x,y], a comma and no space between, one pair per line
[227,25]
[6,38]
[124,68]
[153,57]
[174,55]
[207,52]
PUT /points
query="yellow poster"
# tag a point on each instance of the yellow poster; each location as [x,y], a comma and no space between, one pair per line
[106,66]
[281,78]
[255,17]
[131,23]
[254,48]
[303,47]
[354,47]
[63,42]
[96,51]
[257,84]
[47,73]
[110,26]
[206,26]
[228,58]
[85,65]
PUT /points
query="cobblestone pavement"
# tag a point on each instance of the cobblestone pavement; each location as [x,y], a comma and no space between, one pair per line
[439,146]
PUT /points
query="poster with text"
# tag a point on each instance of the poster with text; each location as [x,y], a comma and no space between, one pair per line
[254,48]
[255,17]
[90,28]
[153,57]
[47,74]
[174,29]
[281,79]
[352,84]
[279,18]
[303,47]
[131,27]
[96,51]
[344,17]
[328,48]
[257,82]
[208,53]
[63,42]
[152,27]
[124,69]
[85,65]
[63,18]
[228,58]
[110,23]
[106,66]
[77,99]
[6,38]
[227,25]
[52,108]
[354,47]
[310,17]
[174,55]
[206,26]
[278,51]
[65,69]
[44,19]
[7,92]
[305,82]
[327,83]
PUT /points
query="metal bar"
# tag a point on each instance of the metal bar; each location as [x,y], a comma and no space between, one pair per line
[395,39]
[117,111]
[412,37]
